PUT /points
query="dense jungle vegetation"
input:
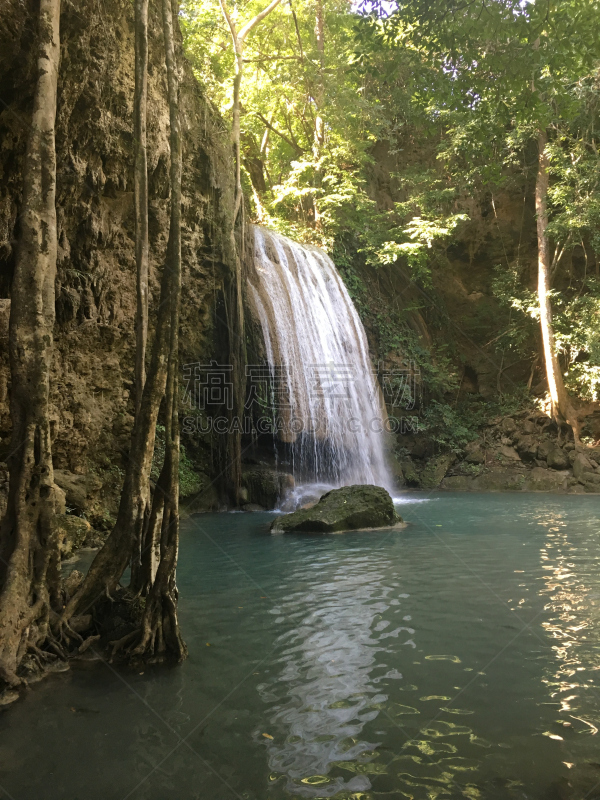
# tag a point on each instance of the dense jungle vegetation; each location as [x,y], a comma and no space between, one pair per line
[473,101]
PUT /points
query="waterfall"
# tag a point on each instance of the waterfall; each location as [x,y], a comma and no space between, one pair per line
[324,390]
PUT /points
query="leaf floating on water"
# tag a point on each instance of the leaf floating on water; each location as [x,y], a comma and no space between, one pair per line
[454,659]
[459,711]
[479,741]
[397,709]
[553,736]
[316,780]
[267,735]
[361,769]
[440,728]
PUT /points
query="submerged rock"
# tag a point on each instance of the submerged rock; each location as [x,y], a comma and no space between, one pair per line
[347,509]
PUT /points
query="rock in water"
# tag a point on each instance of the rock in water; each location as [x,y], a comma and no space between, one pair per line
[350,508]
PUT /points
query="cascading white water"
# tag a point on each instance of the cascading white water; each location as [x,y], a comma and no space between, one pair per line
[325,390]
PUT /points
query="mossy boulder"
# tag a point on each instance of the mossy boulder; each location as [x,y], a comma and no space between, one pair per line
[265,487]
[410,474]
[546,480]
[558,459]
[434,471]
[347,509]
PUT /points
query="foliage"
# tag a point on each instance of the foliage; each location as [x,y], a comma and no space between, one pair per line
[464,85]
[189,481]
[448,426]
[453,426]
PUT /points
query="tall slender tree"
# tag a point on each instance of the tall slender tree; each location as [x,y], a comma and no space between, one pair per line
[160,626]
[561,403]
[320,100]
[236,315]
[141,193]
[29,547]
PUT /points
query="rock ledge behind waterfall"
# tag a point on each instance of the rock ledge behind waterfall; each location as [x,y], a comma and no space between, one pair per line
[350,508]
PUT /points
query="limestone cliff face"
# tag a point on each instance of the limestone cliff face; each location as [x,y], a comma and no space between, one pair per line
[95,290]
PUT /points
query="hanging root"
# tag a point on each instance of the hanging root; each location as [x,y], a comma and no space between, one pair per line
[119,644]
[88,642]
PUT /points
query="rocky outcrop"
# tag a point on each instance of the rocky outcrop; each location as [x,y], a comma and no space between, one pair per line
[347,509]
[264,488]
[547,460]
[432,473]
[525,452]
[81,491]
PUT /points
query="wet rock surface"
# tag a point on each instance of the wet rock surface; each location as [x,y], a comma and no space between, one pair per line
[523,452]
[346,509]
[264,487]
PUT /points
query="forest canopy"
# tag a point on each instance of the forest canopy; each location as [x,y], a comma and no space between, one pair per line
[477,89]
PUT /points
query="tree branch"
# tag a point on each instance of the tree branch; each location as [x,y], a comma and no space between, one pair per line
[231,24]
[258,18]
[285,138]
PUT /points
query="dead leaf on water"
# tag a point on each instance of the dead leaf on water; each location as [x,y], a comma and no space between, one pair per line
[454,659]
[316,780]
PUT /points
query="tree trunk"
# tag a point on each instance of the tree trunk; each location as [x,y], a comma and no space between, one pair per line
[237,348]
[30,554]
[320,99]
[235,298]
[160,626]
[320,92]
[561,405]
[141,193]
[132,518]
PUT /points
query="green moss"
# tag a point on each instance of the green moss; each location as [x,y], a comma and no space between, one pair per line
[190,482]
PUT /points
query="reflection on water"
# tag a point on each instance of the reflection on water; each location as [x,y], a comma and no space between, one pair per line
[325,693]
[457,658]
[571,568]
